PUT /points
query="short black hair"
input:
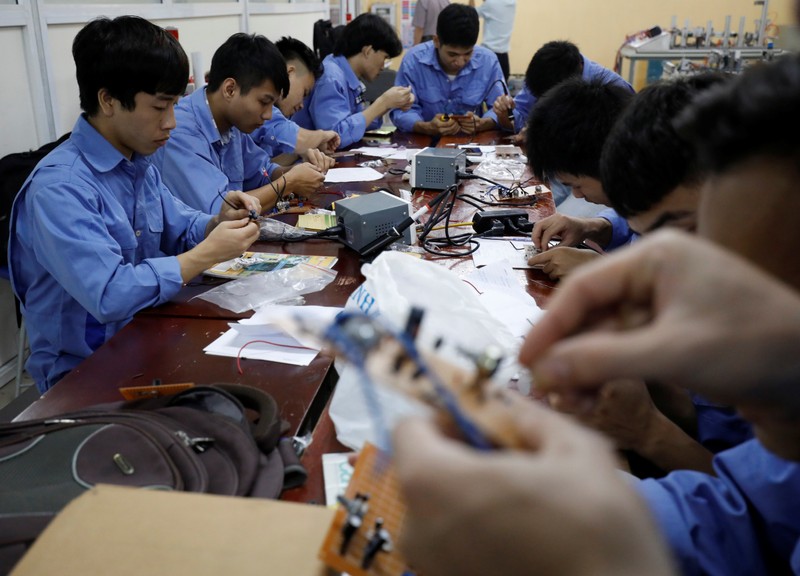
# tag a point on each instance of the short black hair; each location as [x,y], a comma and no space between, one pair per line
[127,55]
[644,158]
[569,125]
[250,59]
[458,25]
[756,115]
[553,63]
[368,30]
[293,49]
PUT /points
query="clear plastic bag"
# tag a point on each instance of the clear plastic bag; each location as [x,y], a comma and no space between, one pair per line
[500,169]
[258,290]
[272,230]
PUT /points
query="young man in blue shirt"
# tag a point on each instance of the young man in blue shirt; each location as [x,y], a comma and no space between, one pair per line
[452,79]
[553,63]
[337,101]
[280,137]
[211,143]
[95,234]
[568,128]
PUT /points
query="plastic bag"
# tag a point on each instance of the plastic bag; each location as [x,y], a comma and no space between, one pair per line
[453,312]
[258,290]
[502,169]
[275,231]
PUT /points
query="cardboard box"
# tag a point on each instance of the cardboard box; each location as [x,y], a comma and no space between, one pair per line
[124,531]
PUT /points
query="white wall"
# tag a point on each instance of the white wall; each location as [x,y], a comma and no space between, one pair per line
[17,122]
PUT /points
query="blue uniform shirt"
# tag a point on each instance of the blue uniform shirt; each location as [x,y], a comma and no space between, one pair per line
[198,164]
[89,231]
[336,103]
[524,101]
[744,521]
[621,233]
[278,135]
[479,82]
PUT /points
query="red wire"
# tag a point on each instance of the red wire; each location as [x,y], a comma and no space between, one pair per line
[246,344]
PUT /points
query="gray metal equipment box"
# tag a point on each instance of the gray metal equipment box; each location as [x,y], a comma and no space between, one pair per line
[371,216]
[435,168]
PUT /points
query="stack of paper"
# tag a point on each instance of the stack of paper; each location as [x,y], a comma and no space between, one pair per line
[265,336]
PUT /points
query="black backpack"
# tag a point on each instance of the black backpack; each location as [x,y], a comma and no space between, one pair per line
[199,440]
[14,170]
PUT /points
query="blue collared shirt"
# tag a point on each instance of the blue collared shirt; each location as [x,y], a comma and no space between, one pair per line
[478,83]
[336,103]
[524,100]
[743,521]
[278,135]
[89,234]
[621,233]
[199,166]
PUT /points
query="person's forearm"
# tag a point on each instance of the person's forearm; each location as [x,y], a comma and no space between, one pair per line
[486,123]
[308,139]
[667,446]
[267,194]
[417,35]
[375,110]
[428,128]
[600,231]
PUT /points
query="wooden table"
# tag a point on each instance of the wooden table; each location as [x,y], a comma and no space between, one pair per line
[166,342]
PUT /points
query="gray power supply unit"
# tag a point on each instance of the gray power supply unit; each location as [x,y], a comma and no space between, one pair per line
[369,217]
[435,168]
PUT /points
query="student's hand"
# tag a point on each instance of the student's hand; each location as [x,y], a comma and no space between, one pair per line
[519,139]
[330,141]
[522,512]
[561,260]
[622,410]
[303,179]
[397,97]
[438,126]
[671,308]
[501,107]
[229,239]
[243,202]
[320,160]
[468,124]
[570,230]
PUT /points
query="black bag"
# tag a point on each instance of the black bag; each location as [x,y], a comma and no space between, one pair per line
[199,440]
[14,170]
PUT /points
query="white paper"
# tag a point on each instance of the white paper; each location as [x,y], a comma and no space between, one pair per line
[377,152]
[518,311]
[336,471]
[293,320]
[483,149]
[336,175]
[497,275]
[231,342]
[404,154]
[492,250]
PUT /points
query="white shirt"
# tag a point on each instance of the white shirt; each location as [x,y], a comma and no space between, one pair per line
[498,23]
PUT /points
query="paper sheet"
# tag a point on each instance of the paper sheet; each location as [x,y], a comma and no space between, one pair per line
[376,151]
[505,297]
[492,250]
[271,324]
[337,175]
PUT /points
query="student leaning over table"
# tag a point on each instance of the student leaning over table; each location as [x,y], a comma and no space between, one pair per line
[553,63]
[95,234]
[450,76]
[211,143]
[651,177]
[337,101]
[280,135]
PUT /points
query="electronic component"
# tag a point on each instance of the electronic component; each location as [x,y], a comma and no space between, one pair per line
[370,217]
[512,222]
[508,151]
[436,168]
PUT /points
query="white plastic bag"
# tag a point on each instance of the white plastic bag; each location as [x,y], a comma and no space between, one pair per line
[394,283]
